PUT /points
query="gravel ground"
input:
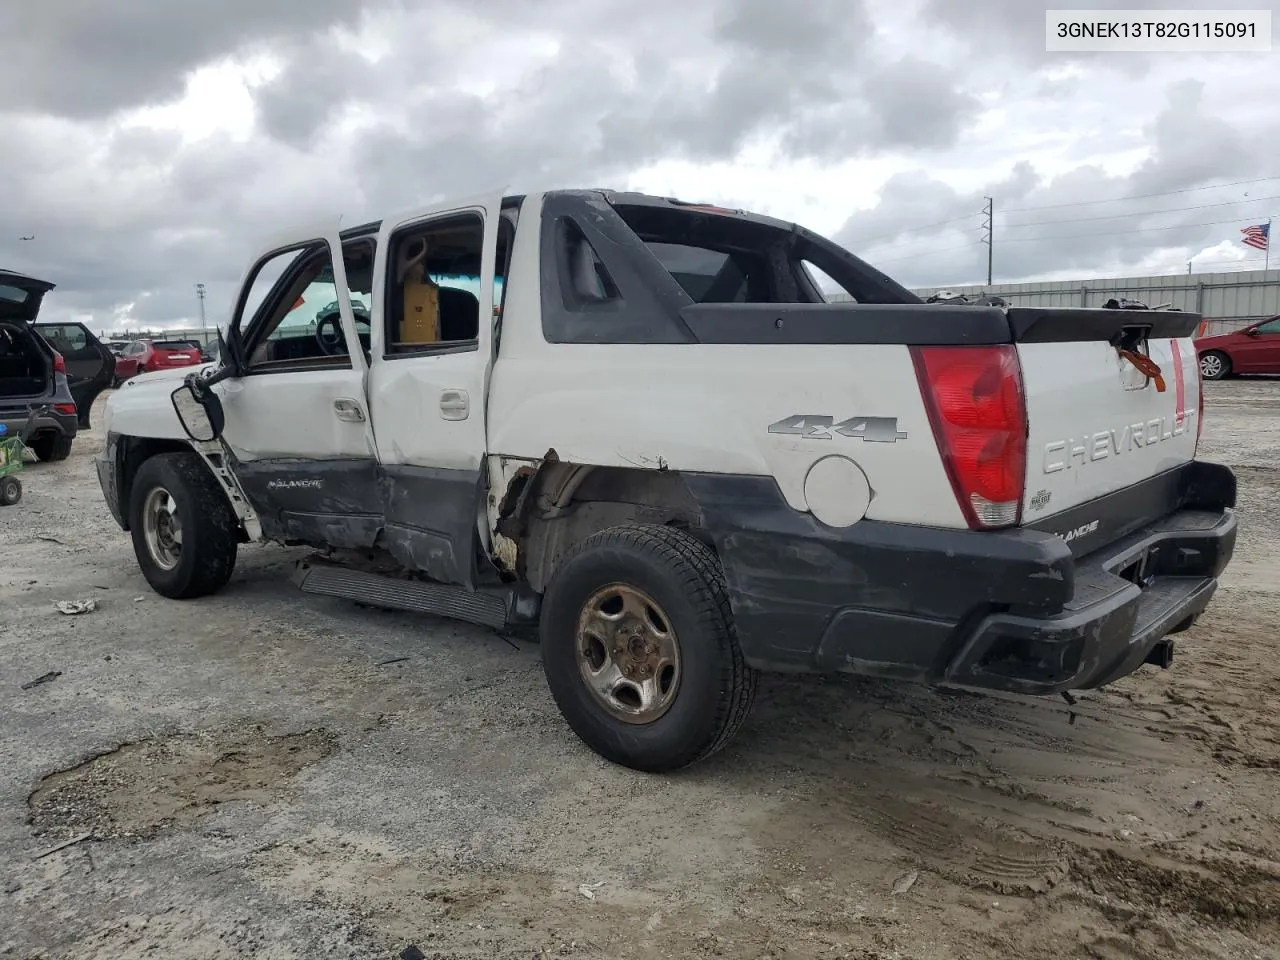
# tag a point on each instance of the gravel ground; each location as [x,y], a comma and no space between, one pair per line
[271,775]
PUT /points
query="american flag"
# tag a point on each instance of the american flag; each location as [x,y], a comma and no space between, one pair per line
[1257,235]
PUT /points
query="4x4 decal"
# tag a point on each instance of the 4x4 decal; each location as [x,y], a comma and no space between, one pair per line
[820,427]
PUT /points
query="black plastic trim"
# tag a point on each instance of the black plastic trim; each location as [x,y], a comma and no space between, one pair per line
[647,309]
[429,519]
[845,323]
[434,350]
[1009,610]
[423,516]
[1196,485]
[319,502]
[1073,324]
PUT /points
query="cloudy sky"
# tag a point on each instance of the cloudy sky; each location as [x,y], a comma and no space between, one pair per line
[153,144]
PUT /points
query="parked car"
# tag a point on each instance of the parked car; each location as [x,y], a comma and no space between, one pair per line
[90,363]
[147,356]
[33,374]
[1253,349]
[117,347]
[637,426]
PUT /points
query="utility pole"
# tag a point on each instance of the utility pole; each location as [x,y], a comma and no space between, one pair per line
[989,212]
[204,330]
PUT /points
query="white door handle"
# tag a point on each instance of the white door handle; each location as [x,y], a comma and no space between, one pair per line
[348,410]
[454,404]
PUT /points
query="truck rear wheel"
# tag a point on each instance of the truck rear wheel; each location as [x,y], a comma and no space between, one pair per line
[184,532]
[640,651]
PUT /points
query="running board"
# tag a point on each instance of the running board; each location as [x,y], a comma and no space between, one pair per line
[496,608]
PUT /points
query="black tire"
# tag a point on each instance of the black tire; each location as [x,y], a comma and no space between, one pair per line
[209,528]
[51,447]
[715,686]
[10,491]
[1219,371]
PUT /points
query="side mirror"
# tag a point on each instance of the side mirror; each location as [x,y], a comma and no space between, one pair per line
[199,411]
[1251,332]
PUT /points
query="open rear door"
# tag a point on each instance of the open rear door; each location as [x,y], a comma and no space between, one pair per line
[433,327]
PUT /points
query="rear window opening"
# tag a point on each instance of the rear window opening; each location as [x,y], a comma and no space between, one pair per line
[175,345]
[719,258]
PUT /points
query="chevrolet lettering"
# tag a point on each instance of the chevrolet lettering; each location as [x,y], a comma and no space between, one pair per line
[1063,454]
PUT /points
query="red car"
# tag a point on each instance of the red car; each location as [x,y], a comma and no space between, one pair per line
[1253,349]
[144,356]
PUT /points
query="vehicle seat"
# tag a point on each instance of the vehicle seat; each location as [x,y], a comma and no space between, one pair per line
[459,315]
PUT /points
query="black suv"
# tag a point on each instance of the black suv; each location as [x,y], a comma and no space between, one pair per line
[62,365]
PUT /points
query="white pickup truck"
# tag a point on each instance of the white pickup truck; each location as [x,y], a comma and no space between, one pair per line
[637,424]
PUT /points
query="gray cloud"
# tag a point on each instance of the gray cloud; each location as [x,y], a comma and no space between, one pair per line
[1043,224]
[462,98]
[83,58]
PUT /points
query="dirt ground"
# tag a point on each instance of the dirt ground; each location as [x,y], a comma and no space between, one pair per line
[263,774]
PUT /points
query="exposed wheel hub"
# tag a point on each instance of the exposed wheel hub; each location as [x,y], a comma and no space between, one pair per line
[628,654]
[162,528]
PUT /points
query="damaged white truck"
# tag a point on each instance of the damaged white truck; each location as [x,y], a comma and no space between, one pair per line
[637,425]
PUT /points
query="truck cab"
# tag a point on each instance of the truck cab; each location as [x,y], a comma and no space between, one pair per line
[636,426]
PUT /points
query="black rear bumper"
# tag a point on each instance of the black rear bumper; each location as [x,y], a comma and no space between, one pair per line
[1011,610]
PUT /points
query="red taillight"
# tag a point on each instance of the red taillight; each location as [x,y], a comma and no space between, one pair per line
[976,406]
[59,365]
[69,409]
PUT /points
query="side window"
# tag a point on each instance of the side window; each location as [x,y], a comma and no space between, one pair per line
[75,337]
[296,322]
[64,339]
[1271,326]
[585,279]
[433,286]
[822,281]
[710,275]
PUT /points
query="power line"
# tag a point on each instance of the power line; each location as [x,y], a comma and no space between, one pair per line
[877,261]
[1142,213]
[1141,196]
[927,226]
[1120,233]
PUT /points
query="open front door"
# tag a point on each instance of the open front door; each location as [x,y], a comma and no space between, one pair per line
[297,421]
[432,354]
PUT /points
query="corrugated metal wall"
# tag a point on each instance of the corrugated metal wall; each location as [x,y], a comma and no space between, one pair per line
[1238,297]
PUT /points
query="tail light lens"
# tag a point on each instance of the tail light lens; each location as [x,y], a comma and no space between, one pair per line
[69,409]
[59,365]
[978,412]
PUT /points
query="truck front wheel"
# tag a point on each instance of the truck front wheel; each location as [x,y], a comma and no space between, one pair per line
[184,532]
[639,648]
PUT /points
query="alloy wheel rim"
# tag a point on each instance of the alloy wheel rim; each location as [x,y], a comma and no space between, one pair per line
[628,653]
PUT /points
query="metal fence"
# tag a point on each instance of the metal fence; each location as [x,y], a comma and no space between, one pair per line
[1226,300]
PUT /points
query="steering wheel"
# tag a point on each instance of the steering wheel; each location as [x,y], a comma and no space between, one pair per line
[331,342]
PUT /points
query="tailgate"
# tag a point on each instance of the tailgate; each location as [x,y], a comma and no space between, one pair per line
[1096,423]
